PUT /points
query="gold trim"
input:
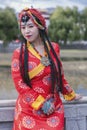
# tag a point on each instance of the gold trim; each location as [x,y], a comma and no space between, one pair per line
[38,102]
[38,68]
[36,71]
[69,96]
[31,49]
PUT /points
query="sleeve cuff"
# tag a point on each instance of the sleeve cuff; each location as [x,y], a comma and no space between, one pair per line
[38,102]
[69,96]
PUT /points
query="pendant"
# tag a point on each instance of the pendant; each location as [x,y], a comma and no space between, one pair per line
[45,61]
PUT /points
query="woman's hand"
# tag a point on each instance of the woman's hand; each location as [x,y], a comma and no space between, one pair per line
[48,107]
[78,97]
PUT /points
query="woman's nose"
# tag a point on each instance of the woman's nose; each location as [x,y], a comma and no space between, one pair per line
[27,30]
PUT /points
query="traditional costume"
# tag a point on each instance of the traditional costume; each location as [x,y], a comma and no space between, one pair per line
[28,113]
[32,105]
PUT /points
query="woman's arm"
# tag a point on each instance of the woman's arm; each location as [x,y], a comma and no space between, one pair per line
[21,86]
[67,91]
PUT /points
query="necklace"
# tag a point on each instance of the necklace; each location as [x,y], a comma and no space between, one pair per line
[45,61]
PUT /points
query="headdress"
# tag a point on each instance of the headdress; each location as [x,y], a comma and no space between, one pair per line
[34,12]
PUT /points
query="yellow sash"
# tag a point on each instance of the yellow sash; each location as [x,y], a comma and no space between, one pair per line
[38,68]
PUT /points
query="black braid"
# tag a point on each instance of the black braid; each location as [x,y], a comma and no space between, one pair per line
[20,59]
[52,65]
[24,73]
[55,78]
[59,78]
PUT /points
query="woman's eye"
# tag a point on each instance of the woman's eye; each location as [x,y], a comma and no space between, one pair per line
[22,27]
[30,26]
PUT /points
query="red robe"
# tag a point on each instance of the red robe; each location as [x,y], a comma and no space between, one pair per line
[28,115]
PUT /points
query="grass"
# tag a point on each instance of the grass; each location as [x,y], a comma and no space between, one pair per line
[73,52]
[5,59]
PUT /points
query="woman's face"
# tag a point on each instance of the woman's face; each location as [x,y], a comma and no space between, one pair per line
[30,31]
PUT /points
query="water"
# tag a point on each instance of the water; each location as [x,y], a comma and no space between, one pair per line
[81,90]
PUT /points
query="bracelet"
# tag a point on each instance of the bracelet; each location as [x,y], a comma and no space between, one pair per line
[46,107]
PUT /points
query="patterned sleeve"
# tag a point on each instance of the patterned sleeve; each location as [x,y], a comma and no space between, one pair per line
[21,86]
[67,91]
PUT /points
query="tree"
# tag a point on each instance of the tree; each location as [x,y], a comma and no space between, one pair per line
[8,24]
[65,25]
[84,23]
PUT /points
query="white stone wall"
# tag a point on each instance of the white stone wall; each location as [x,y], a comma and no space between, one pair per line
[75,114]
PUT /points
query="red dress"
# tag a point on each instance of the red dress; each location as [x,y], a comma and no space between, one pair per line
[28,115]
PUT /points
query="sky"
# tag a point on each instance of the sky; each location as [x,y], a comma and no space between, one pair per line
[18,5]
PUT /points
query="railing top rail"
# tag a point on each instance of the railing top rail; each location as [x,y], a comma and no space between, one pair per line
[11,103]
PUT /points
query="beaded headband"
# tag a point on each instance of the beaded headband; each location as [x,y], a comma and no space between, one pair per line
[33,12]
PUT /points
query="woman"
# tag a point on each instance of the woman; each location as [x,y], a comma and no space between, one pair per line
[38,77]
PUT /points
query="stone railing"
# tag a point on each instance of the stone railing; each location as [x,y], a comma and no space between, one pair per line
[75,114]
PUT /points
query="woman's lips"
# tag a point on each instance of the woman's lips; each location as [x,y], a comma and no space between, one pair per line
[28,36]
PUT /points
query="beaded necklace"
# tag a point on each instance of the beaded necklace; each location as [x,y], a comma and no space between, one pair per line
[44,59]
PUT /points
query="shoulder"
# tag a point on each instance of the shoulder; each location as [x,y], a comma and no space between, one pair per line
[17,51]
[56,47]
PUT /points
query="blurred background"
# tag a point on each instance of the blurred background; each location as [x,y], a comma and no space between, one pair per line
[67,25]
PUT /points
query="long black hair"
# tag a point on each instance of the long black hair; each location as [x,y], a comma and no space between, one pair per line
[56,77]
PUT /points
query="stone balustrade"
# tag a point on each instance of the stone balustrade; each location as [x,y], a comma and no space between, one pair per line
[75,114]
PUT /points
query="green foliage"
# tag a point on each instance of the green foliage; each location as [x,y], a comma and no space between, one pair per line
[84,23]
[68,25]
[8,25]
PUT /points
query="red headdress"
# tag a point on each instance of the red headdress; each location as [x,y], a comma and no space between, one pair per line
[33,12]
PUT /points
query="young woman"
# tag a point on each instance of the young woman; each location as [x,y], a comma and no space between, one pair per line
[38,76]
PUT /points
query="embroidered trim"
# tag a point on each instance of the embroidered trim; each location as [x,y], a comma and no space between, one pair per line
[36,71]
[31,49]
[69,96]
[38,102]
[38,68]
